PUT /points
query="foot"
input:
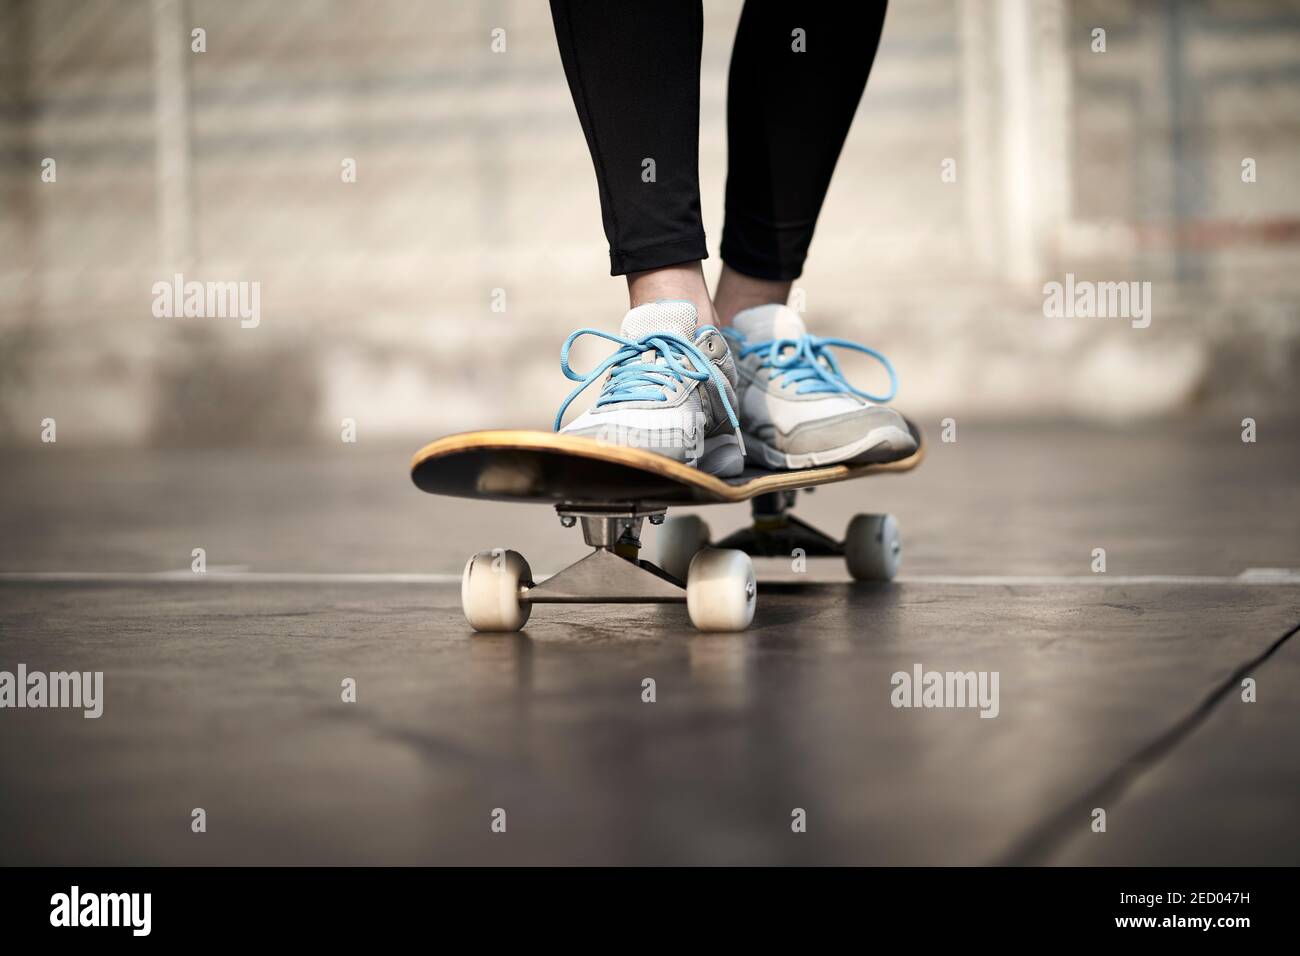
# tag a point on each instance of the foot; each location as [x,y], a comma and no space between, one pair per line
[796,409]
[669,388]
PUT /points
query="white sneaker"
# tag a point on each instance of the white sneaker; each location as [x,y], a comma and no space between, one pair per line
[796,409]
[669,388]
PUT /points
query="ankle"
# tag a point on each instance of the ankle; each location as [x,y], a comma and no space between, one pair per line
[684,282]
[737,292]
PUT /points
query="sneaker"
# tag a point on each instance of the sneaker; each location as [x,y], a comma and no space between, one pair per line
[669,388]
[796,409]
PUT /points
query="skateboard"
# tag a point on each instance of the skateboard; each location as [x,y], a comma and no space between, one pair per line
[611,490]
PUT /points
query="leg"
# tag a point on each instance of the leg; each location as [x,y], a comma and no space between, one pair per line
[797,75]
[634,72]
[790,101]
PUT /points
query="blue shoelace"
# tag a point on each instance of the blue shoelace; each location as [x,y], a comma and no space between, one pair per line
[632,380]
[806,360]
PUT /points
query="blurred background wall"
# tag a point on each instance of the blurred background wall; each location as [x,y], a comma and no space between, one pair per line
[472,176]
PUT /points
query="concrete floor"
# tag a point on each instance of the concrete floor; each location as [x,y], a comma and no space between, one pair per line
[1117,690]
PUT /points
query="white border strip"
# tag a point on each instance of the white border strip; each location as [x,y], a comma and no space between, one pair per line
[228,577]
[1254,577]
[1250,578]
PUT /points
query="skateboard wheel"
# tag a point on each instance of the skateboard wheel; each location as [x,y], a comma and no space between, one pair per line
[720,590]
[872,547]
[681,538]
[492,590]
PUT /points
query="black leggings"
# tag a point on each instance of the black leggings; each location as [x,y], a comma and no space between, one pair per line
[634,71]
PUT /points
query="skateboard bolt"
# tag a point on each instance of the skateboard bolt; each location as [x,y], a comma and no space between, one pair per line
[657,519]
[567,521]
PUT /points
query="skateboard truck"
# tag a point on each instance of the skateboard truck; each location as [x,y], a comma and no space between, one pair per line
[616,528]
[718,588]
[613,573]
[776,533]
[871,547]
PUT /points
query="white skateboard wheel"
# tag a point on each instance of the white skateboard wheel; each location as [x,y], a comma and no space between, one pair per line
[720,590]
[492,590]
[681,538]
[872,547]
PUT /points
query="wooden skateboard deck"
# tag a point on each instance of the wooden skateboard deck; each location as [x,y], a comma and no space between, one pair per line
[554,468]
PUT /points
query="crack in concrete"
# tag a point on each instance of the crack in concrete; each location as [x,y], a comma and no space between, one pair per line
[1051,835]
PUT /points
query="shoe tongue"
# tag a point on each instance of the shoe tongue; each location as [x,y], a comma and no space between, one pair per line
[666,315]
[765,322]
